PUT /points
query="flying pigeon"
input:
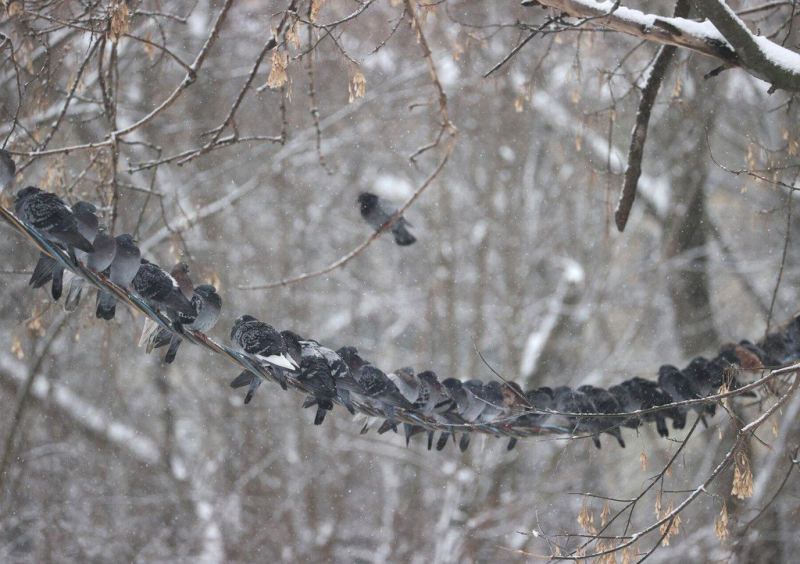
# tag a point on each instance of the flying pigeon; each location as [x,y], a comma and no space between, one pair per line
[48,214]
[207,304]
[378,211]
[266,346]
[7,169]
[105,248]
[121,272]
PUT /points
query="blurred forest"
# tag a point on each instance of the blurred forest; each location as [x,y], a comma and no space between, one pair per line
[246,162]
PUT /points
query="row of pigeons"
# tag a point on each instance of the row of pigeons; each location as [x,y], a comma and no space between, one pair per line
[421,402]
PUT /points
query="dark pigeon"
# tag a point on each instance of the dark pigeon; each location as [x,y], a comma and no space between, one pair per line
[378,211]
[679,388]
[380,388]
[121,272]
[8,169]
[262,342]
[50,216]
[160,291]
[607,405]
[575,401]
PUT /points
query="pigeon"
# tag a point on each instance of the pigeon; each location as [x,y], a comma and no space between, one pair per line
[378,211]
[574,401]
[48,268]
[207,304]
[180,272]
[105,248]
[51,217]
[315,374]
[7,169]
[607,405]
[538,400]
[700,381]
[348,385]
[160,291]
[647,395]
[121,272]
[679,388]
[262,342]
[380,388]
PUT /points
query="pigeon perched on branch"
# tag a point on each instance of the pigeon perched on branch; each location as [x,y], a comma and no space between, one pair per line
[207,304]
[8,169]
[50,216]
[48,268]
[378,211]
[160,291]
[105,248]
[121,272]
[262,342]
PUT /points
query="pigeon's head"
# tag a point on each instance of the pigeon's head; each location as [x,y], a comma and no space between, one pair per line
[244,319]
[668,371]
[205,289]
[125,239]
[428,377]
[291,339]
[452,385]
[85,207]
[351,357]
[180,268]
[367,201]
[405,371]
[5,158]
[27,192]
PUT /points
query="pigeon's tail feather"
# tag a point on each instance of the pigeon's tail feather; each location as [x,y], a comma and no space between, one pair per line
[280,375]
[106,306]
[463,444]
[242,379]
[75,239]
[320,416]
[43,271]
[74,294]
[442,440]
[178,302]
[386,426]
[344,395]
[173,349]
[58,282]
[512,442]
[254,384]
[403,236]
[162,339]
[310,401]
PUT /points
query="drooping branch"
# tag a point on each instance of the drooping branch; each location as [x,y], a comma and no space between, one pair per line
[639,136]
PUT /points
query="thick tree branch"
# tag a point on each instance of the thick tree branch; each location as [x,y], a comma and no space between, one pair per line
[730,41]
[757,55]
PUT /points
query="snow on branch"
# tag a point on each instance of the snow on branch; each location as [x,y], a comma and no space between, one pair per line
[724,37]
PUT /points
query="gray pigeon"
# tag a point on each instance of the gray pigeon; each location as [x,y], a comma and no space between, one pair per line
[121,272]
[7,169]
[105,248]
[378,211]
[208,305]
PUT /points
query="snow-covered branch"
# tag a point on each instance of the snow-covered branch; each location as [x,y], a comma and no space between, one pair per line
[724,37]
